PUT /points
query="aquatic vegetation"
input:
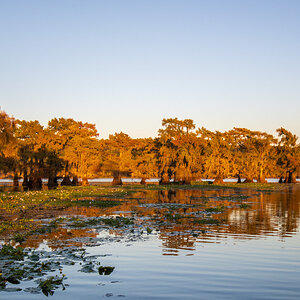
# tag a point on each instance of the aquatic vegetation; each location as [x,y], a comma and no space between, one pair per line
[217,209]
[207,221]
[48,285]
[105,270]
[9,252]
[88,268]
[20,202]
[18,238]
[173,217]
[244,205]
[19,264]
[16,226]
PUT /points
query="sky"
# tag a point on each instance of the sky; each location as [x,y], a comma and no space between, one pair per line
[126,65]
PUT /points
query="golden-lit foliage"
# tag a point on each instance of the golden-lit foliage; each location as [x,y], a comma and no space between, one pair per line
[218,154]
[6,129]
[253,153]
[182,153]
[288,154]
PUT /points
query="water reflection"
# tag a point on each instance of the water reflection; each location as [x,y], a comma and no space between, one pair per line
[183,218]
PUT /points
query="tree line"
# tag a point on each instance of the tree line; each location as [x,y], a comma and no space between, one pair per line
[72,150]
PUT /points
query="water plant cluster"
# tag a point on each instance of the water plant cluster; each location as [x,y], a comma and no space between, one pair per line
[18,264]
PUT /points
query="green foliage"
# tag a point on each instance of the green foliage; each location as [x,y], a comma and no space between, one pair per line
[49,285]
[105,270]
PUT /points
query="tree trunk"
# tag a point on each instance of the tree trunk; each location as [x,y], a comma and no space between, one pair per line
[218,180]
[25,180]
[143,181]
[248,180]
[52,181]
[85,181]
[66,181]
[164,179]
[16,180]
[261,179]
[291,177]
[175,177]
[35,183]
[117,179]
[239,179]
[187,180]
[74,181]
[280,179]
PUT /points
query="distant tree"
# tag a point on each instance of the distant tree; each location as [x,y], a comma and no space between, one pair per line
[116,156]
[7,146]
[144,159]
[288,155]
[252,153]
[74,142]
[178,150]
[31,152]
[218,155]
[7,125]
[83,156]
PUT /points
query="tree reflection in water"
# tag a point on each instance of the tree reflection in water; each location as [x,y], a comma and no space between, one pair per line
[182,218]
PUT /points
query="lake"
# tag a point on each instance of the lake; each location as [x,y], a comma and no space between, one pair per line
[211,243]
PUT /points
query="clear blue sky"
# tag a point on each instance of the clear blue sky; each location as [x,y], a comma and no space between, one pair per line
[125,65]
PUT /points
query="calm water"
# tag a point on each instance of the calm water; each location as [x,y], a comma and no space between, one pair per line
[251,249]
